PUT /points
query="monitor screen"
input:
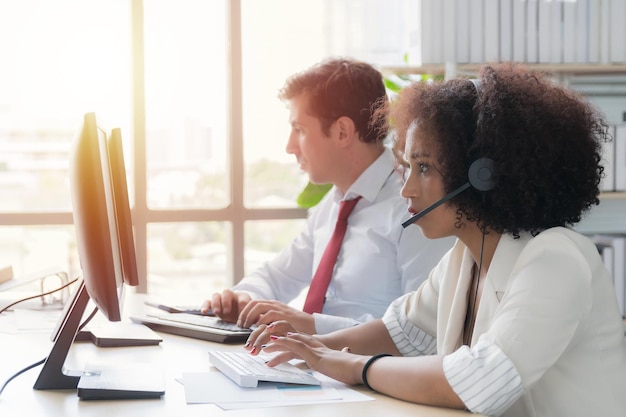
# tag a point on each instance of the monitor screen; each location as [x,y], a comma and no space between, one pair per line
[104,239]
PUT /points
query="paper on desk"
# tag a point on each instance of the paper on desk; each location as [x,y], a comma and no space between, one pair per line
[348,395]
[214,387]
[31,320]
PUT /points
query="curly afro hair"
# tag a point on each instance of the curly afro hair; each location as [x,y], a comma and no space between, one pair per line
[545,142]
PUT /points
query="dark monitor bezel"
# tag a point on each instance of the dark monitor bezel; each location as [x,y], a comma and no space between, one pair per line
[123,213]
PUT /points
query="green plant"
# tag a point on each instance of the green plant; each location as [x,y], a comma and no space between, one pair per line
[312,194]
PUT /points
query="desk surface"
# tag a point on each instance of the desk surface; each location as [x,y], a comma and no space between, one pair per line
[175,355]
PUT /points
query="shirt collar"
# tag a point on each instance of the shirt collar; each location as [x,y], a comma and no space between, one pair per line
[371,181]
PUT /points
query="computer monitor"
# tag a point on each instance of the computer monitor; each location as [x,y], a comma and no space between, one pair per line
[123,215]
[104,239]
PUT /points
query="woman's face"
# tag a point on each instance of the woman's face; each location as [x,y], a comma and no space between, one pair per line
[423,186]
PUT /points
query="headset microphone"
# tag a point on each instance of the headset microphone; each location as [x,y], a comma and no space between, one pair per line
[480,176]
[433,206]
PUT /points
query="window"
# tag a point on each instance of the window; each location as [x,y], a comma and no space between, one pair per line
[72,58]
[193,85]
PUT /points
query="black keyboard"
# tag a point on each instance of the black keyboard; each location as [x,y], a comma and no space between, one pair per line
[196,326]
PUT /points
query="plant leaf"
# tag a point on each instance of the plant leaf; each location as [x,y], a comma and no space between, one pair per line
[312,194]
[391,85]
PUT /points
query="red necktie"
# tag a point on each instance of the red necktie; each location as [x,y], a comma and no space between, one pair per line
[319,283]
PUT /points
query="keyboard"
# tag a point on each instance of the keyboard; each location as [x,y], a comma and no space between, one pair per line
[189,309]
[247,370]
[192,325]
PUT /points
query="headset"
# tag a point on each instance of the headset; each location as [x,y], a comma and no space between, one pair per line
[480,175]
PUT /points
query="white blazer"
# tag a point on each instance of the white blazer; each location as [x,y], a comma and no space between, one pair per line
[549,304]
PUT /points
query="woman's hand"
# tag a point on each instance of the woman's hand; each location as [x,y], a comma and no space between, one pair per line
[337,364]
[263,333]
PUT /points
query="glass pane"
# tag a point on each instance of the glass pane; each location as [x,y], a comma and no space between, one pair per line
[186,104]
[266,238]
[272,177]
[188,260]
[30,249]
[60,60]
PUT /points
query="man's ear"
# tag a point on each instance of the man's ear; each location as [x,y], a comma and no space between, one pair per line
[346,130]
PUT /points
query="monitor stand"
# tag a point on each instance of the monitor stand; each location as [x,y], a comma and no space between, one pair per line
[54,375]
[100,382]
[119,334]
[130,381]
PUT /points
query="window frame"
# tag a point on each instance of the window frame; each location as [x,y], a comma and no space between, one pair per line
[236,213]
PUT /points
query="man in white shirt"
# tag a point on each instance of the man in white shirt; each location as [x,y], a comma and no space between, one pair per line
[338,137]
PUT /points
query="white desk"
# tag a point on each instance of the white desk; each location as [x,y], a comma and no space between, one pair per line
[176,355]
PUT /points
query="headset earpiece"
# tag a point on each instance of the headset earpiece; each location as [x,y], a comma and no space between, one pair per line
[481,171]
[481,174]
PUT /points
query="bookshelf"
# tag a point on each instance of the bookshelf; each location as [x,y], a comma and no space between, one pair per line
[608,217]
[472,69]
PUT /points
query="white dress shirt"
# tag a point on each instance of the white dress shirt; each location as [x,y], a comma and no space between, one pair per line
[548,338]
[378,261]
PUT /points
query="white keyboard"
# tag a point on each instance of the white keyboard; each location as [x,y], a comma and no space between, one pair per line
[247,370]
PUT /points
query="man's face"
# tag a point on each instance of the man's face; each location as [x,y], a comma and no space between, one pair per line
[313,150]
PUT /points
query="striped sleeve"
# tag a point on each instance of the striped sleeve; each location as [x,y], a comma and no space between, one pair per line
[409,339]
[483,377]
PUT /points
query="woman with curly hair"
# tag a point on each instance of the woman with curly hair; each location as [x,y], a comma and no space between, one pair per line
[520,317]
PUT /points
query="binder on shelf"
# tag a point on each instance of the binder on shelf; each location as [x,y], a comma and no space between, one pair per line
[492,30]
[437,30]
[569,32]
[620,157]
[618,31]
[595,27]
[506,30]
[532,47]
[608,160]
[519,30]
[605,31]
[429,38]
[607,254]
[582,31]
[414,32]
[546,30]
[462,31]
[449,30]
[477,41]
[612,248]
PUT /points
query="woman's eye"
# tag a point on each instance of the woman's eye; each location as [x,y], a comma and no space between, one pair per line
[423,168]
